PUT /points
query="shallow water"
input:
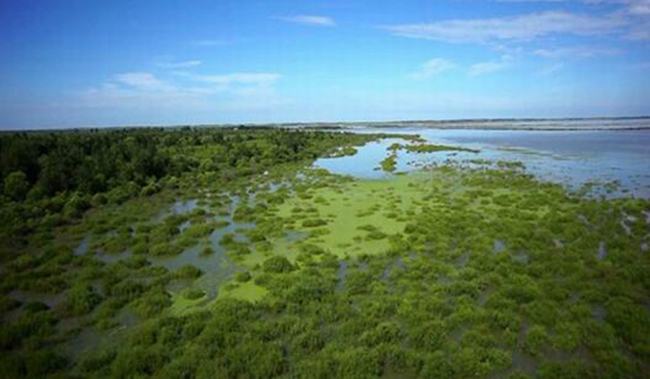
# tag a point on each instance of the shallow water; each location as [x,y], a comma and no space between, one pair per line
[216,267]
[572,158]
[82,248]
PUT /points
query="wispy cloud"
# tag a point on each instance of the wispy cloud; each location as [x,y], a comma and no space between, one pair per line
[210,42]
[486,68]
[432,68]
[638,7]
[635,7]
[576,52]
[145,91]
[489,67]
[309,20]
[517,28]
[181,64]
[140,81]
[551,69]
[246,78]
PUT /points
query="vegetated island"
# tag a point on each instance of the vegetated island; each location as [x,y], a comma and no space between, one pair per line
[389,164]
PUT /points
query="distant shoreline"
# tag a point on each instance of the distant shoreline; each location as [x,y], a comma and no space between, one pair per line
[531,124]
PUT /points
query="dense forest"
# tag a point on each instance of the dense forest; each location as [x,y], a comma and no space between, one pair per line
[222,253]
[51,177]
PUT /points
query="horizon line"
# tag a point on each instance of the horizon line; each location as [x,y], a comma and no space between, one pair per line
[334,123]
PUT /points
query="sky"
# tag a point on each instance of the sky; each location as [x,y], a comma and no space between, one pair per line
[83,63]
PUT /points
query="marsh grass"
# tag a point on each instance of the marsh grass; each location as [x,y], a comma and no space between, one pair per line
[387,276]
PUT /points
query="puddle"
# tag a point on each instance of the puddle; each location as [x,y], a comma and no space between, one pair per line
[184,225]
[599,313]
[521,258]
[293,236]
[602,251]
[51,300]
[340,275]
[523,362]
[484,296]
[186,206]
[87,339]
[82,248]
[462,260]
[112,258]
[498,246]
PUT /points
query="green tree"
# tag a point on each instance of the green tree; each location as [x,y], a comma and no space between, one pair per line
[16,185]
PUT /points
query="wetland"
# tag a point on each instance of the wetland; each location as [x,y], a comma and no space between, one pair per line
[405,252]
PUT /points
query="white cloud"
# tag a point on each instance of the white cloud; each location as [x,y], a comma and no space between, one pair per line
[432,68]
[638,7]
[309,20]
[640,30]
[517,28]
[575,52]
[549,70]
[182,64]
[635,7]
[486,68]
[144,91]
[489,67]
[247,78]
[140,81]
[209,42]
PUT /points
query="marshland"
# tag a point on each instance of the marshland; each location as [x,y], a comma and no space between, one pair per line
[246,189]
[271,252]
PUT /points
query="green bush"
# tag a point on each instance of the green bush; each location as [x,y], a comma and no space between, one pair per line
[277,264]
[193,293]
[188,272]
[315,222]
[243,276]
[81,299]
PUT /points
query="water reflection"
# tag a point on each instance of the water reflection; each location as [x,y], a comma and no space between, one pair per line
[573,158]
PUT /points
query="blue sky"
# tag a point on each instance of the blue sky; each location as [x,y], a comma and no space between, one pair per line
[109,63]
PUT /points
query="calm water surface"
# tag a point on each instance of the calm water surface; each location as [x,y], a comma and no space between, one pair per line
[572,158]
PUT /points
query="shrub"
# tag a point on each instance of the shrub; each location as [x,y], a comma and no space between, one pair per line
[193,293]
[152,303]
[16,185]
[188,272]
[208,250]
[243,276]
[81,299]
[165,249]
[277,264]
[314,222]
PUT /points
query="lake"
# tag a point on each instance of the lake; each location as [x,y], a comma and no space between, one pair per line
[616,161]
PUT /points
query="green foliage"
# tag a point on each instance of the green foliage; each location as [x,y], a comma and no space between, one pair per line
[314,222]
[81,299]
[389,163]
[152,303]
[277,264]
[536,338]
[188,272]
[243,276]
[433,301]
[16,185]
[430,148]
[193,293]
[208,250]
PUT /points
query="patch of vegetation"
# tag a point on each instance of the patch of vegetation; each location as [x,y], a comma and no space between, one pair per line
[389,164]
[398,277]
[277,264]
[430,148]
